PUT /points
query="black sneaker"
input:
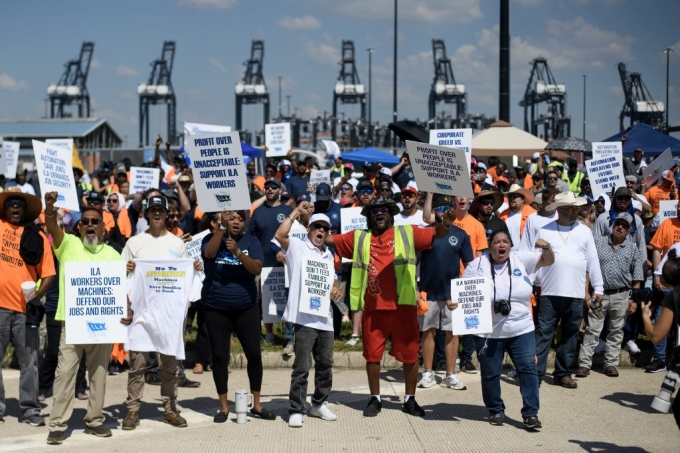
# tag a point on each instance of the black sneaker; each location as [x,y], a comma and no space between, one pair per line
[655,366]
[468,367]
[55,438]
[440,368]
[532,423]
[221,417]
[2,420]
[152,379]
[187,383]
[113,369]
[413,408]
[497,419]
[374,407]
[34,420]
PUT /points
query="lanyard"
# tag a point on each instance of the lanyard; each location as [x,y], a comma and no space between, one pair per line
[493,277]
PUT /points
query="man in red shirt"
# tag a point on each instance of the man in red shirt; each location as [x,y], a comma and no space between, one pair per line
[384,268]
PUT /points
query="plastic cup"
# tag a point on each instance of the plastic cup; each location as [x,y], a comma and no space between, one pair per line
[28,288]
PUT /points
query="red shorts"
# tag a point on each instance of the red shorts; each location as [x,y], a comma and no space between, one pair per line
[400,325]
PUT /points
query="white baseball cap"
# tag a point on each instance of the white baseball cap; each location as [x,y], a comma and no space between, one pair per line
[323,218]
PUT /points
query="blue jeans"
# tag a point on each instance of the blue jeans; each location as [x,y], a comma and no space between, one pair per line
[468,342]
[551,310]
[522,351]
[659,349]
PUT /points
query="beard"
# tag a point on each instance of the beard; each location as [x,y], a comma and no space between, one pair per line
[91,242]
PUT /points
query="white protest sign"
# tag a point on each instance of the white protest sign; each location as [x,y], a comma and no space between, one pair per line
[143,179]
[277,139]
[219,172]
[317,177]
[56,174]
[351,219]
[297,230]
[453,138]
[194,248]
[332,147]
[11,158]
[607,149]
[652,172]
[96,299]
[274,296]
[605,173]
[61,142]
[667,210]
[473,314]
[3,159]
[315,289]
[440,169]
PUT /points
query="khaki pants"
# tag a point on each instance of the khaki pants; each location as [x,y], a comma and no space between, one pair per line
[136,381]
[97,357]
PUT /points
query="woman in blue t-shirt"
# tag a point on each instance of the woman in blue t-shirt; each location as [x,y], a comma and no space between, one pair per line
[232,261]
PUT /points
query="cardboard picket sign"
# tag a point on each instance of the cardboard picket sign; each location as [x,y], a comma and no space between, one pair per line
[474,312]
[297,230]
[315,286]
[317,177]
[11,158]
[219,172]
[605,173]
[454,138]
[667,210]
[96,300]
[277,139]
[351,219]
[274,294]
[3,158]
[143,179]
[194,249]
[55,174]
[440,169]
[607,149]
[61,142]
[332,147]
[652,172]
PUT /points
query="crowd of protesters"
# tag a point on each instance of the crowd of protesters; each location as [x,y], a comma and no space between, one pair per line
[567,266]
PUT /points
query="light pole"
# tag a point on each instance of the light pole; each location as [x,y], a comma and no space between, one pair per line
[279,96]
[394,83]
[667,51]
[370,93]
[288,98]
[584,105]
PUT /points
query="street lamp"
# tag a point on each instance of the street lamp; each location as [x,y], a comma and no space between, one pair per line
[279,96]
[370,92]
[584,105]
[394,83]
[667,51]
[288,98]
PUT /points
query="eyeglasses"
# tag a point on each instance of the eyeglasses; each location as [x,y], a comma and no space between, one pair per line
[552,178]
[85,221]
[95,201]
[487,202]
[15,204]
[270,187]
[366,192]
[378,211]
[442,209]
[112,200]
[321,226]
[173,216]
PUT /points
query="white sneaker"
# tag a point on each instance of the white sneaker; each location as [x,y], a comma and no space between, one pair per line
[295,420]
[601,346]
[322,412]
[632,347]
[426,380]
[452,382]
[353,340]
[269,338]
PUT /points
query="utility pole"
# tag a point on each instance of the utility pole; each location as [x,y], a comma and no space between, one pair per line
[370,93]
[584,105]
[288,98]
[394,82]
[667,51]
[279,96]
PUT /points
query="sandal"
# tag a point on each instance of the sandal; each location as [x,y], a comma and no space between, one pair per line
[264,414]
[198,369]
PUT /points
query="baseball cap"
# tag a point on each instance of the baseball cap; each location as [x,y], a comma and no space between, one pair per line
[624,216]
[622,192]
[185,178]
[323,218]
[365,184]
[348,165]
[502,179]
[284,162]
[668,176]
[536,155]
[121,169]
[95,197]
[157,200]
[639,150]
[323,192]
[442,201]
[481,165]
[368,166]
[637,206]
[386,171]
[274,181]
[410,187]
[303,197]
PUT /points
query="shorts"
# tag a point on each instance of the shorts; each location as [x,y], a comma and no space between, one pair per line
[400,326]
[438,316]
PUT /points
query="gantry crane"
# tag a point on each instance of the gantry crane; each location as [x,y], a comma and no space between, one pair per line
[158,90]
[72,86]
[542,87]
[444,86]
[348,88]
[639,105]
[252,88]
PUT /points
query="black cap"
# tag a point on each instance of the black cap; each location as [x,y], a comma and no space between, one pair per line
[95,196]
[157,200]
[323,192]
[273,181]
[368,166]
[365,184]
[622,192]
[442,201]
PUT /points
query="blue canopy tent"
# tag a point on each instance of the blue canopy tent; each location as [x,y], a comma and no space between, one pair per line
[373,155]
[645,137]
[249,152]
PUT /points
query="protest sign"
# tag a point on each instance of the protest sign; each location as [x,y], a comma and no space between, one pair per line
[96,300]
[473,314]
[297,230]
[667,210]
[143,179]
[3,159]
[61,142]
[317,177]
[351,219]
[652,172]
[277,139]
[440,169]
[219,172]
[332,147]
[605,173]
[607,149]
[194,248]
[56,174]
[454,138]
[274,295]
[11,158]
[315,289]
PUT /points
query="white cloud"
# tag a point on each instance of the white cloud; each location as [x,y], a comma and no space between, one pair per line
[125,71]
[458,11]
[7,82]
[300,23]
[117,117]
[95,64]
[215,62]
[207,4]
[323,53]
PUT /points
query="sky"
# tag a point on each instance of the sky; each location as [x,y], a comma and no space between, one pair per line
[302,41]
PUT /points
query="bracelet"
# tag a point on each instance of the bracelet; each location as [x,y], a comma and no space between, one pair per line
[54,213]
[292,220]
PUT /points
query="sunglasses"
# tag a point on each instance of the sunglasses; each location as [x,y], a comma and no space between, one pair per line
[442,209]
[408,195]
[95,201]
[345,189]
[173,216]
[622,224]
[270,187]
[378,211]
[513,196]
[321,226]
[112,200]
[366,192]
[284,199]
[85,221]
[599,201]
[623,198]
[552,178]
[15,204]
[488,202]
[385,189]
